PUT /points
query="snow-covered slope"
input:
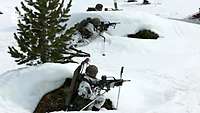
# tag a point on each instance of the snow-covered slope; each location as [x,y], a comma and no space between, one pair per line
[24,87]
[164,8]
[164,73]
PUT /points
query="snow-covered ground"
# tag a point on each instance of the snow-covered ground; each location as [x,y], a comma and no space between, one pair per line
[164,73]
[165,8]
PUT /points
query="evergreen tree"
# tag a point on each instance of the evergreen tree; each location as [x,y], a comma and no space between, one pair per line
[42,33]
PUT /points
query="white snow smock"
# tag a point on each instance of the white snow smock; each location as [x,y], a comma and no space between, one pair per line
[89,91]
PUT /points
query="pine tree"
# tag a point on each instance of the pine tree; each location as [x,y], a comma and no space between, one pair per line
[42,33]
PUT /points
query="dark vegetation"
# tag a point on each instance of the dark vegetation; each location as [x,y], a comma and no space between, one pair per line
[42,35]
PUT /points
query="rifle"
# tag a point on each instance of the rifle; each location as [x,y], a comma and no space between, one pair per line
[105,25]
[106,84]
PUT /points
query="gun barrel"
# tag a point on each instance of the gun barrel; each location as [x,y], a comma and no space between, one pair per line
[114,23]
[117,22]
[126,80]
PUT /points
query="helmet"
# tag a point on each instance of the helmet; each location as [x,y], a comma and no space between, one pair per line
[99,7]
[92,71]
[96,22]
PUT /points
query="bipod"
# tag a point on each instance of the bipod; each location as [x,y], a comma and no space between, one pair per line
[92,102]
[104,44]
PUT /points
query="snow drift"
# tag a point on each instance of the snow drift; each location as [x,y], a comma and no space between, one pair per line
[24,87]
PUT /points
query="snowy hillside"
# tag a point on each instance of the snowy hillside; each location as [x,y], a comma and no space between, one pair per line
[164,73]
[22,88]
[164,8]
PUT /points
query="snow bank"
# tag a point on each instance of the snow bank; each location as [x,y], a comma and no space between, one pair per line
[133,22]
[24,87]
[165,8]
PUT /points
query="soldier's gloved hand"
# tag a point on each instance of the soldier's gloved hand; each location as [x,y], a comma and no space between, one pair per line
[119,83]
[86,61]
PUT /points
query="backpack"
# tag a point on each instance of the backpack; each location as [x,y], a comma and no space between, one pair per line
[83,23]
[72,91]
[81,28]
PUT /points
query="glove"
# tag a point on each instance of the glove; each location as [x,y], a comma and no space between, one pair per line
[86,60]
[119,83]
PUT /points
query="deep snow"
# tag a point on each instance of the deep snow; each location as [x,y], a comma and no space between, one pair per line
[164,73]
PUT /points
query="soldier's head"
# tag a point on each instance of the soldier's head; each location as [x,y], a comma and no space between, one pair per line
[92,71]
[99,7]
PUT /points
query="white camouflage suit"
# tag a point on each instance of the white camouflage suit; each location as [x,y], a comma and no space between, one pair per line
[88,91]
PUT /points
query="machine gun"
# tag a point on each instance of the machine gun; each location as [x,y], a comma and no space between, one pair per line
[106,84]
[105,25]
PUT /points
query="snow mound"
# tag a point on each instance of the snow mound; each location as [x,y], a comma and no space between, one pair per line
[25,86]
[133,22]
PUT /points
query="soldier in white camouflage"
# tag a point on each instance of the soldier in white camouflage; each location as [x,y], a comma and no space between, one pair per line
[88,90]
